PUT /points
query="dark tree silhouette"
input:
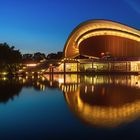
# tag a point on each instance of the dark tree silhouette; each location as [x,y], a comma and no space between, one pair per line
[9,57]
[58,55]
[33,57]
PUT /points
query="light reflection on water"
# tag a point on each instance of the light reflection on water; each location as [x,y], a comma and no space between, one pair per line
[102,101]
[112,99]
[99,101]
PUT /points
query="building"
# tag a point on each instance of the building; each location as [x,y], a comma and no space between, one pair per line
[102,45]
[94,37]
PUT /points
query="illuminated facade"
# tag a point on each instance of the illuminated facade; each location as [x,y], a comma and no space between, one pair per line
[94,37]
[105,46]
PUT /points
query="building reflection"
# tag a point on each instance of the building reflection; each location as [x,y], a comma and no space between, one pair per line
[102,101]
[99,100]
[11,87]
[105,101]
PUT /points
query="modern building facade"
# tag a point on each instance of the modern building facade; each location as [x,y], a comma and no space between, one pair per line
[94,37]
[102,45]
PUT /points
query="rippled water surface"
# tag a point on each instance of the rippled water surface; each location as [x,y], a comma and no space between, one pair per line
[70,107]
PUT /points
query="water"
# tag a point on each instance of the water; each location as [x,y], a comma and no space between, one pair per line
[70,107]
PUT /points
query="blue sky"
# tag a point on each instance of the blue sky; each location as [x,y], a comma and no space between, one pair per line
[44,25]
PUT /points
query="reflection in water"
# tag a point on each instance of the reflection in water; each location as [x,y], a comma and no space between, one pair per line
[102,101]
[9,89]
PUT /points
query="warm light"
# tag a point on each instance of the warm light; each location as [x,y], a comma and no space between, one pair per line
[4,73]
[101,115]
[23,80]
[115,33]
[60,80]
[43,78]
[43,70]
[85,89]
[51,83]
[4,78]
[24,68]
[92,88]
[98,28]
[43,60]
[20,70]
[31,65]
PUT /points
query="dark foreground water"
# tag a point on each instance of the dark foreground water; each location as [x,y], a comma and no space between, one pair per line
[70,107]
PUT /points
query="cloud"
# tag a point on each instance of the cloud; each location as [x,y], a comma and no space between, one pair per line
[135,5]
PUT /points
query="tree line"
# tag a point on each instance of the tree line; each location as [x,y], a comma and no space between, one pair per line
[40,56]
[9,55]
[11,59]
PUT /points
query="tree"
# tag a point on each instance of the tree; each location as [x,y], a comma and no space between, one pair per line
[9,57]
[58,55]
[39,56]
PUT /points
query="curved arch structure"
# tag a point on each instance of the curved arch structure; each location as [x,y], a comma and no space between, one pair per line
[114,36]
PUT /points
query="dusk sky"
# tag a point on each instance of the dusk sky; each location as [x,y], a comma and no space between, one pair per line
[44,25]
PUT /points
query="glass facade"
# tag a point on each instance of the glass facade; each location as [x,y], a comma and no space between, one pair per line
[135,66]
[96,66]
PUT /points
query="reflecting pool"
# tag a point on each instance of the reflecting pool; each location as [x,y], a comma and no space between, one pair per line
[70,107]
